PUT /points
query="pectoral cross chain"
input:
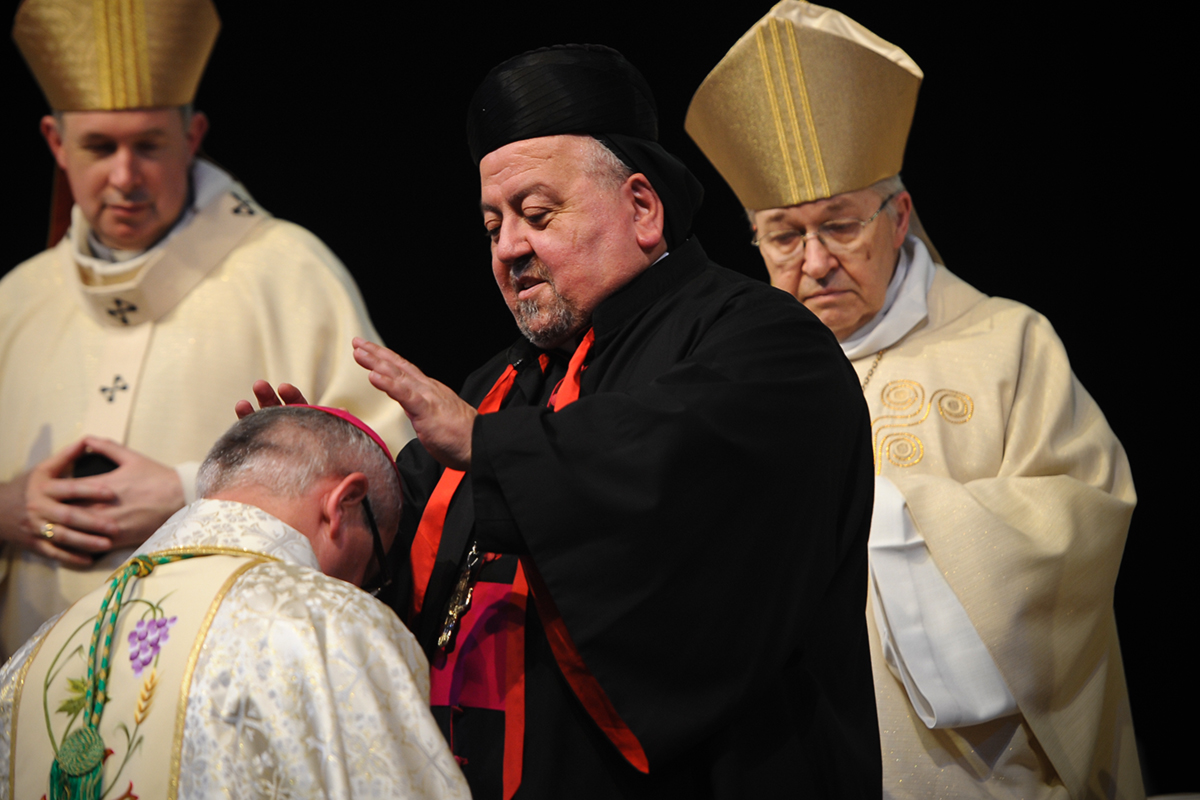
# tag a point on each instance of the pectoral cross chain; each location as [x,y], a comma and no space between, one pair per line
[460,600]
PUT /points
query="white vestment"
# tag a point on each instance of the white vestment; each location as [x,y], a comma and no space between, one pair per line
[156,359]
[1002,506]
[302,686]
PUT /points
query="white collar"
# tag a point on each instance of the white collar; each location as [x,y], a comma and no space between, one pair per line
[224,523]
[904,307]
[208,183]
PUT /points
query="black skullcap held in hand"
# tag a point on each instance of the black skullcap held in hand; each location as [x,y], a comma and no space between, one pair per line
[583,89]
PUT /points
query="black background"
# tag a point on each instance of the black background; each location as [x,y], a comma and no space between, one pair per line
[1021,161]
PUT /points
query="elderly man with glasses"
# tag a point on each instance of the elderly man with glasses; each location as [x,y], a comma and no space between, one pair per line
[1002,497]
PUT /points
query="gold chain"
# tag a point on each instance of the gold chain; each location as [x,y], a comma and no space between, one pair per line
[871,371]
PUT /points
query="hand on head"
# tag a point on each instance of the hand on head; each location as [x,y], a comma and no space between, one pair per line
[288,395]
[441,419]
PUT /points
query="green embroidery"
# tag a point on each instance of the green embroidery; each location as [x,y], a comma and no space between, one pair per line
[77,770]
[75,703]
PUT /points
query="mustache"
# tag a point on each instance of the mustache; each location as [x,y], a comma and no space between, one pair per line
[138,195]
[528,266]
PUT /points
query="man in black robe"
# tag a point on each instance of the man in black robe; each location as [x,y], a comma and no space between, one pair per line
[666,568]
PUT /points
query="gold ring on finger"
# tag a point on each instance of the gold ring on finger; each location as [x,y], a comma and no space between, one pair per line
[47,531]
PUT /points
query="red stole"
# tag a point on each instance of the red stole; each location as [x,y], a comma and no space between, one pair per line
[505,612]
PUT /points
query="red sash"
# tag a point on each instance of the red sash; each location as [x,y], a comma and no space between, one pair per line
[429,531]
[512,690]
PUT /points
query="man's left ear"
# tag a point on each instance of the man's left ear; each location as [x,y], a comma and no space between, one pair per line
[648,214]
[903,205]
[195,132]
[341,503]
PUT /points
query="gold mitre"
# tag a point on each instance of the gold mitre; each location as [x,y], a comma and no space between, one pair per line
[806,105]
[109,55]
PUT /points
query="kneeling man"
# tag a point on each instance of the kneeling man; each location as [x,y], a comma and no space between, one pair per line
[227,658]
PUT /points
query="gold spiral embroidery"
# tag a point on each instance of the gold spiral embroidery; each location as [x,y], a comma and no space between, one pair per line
[905,400]
[903,449]
[905,397]
[955,407]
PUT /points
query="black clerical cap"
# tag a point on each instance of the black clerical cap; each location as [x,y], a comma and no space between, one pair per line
[583,89]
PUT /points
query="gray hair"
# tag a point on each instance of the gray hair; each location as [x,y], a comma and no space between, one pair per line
[286,450]
[886,188]
[603,165]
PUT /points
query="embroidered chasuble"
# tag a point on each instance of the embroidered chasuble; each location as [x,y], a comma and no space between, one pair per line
[241,672]
[155,357]
[1022,495]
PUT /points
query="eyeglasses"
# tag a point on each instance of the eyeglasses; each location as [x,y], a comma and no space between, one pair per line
[840,236]
[384,575]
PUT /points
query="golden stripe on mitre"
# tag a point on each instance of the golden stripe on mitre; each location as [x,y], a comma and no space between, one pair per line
[806,105]
[109,55]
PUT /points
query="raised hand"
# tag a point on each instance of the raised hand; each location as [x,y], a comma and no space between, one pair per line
[442,420]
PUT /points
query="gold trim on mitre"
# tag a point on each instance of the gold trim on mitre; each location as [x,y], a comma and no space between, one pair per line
[808,104]
[110,55]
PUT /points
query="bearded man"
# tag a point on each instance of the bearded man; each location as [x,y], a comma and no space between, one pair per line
[1002,498]
[123,347]
[633,575]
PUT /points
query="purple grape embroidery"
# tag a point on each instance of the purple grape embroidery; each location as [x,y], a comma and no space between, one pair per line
[146,640]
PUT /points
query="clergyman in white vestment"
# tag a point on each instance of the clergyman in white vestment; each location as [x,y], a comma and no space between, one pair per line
[171,292]
[1002,497]
[246,663]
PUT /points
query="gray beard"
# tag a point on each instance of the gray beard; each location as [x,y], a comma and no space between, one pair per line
[560,320]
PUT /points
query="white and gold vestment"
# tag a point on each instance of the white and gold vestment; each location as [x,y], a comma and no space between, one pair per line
[154,352]
[1017,493]
[297,685]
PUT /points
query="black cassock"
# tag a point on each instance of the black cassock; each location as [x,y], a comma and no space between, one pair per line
[700,517]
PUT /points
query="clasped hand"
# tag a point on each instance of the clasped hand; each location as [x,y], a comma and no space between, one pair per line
[72,519]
